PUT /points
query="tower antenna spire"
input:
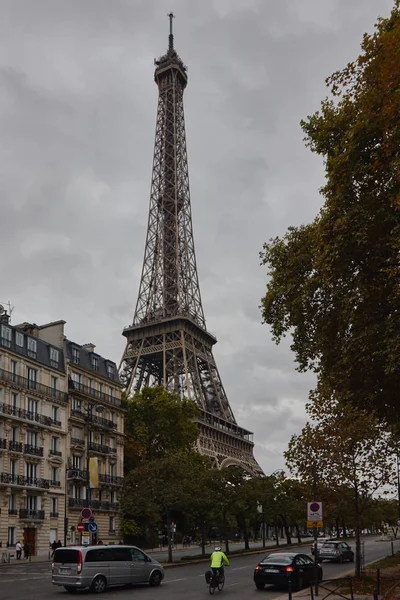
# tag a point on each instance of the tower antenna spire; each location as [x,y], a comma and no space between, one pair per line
[171,34]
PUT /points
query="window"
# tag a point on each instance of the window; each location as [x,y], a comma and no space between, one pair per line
[55,414]
[33,406]
[75,355]
[32,378]
[76,462]
[32,347]
[54,357]
[99,555]
[113,470]
[76,378]
[111,392]
[110,371]
[14,369]
[113,443]
[137,555]
[77,492]
[32,502]
[13,467]
[95,363]
[118,554]
[11,536]
[15,434]
[31,438]
[12,504]
[14,400]
[31,470]
[111,525]
[90,384]
[113,496]
[19,339]
[53,507]
[6,336]
[55,444]
[54,385]
[76,404]
[54,476]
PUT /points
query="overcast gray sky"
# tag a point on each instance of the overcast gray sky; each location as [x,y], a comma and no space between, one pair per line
[77,116]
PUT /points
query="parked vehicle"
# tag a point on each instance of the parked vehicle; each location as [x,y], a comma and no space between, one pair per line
[98,567]
[320,542]
[279,569]
[337,551]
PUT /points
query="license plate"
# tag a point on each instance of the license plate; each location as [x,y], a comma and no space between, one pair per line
[61,570]
[271,570]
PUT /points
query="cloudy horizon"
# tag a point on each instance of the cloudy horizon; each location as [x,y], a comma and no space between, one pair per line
[77,110]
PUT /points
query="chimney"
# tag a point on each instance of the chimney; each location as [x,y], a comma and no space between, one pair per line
[90,347]
[4,318]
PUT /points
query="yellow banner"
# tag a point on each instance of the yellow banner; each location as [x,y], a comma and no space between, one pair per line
[94,472]
[312,524]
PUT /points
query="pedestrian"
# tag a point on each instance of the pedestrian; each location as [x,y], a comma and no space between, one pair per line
[59,544]
[18,548]
[26,550]
[53,547]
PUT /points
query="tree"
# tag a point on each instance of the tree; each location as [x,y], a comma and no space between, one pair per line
[343,446]
[334,284]
[157,423]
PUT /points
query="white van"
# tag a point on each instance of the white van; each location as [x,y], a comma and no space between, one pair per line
[97,567]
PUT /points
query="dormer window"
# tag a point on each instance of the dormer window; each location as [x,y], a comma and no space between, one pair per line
[54,357]
[110,371]
[6,335]
[95,363]
[75,355]
[19,339]
[32,347]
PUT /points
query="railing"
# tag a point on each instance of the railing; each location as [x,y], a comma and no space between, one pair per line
[33,386]
[12,511]
[54,515]
[79,441]
[34,450]
[102,422]
[74,386]
[54,452]
[3,444]
[11,479]
[27,414]
[55,483]
[15,446]
[111,479]
[77,474]
[101,448]
[34,515]
[97,504]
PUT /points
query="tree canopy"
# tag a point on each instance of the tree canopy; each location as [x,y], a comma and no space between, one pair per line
[334,283]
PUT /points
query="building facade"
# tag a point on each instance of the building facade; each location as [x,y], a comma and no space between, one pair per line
[61,417]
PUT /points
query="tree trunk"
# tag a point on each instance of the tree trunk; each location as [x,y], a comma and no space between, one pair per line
[337,528]
[298,533]
[358,537]
[344,526]
[277,535]
[203,538]
[226,537]
[287,530]
[169,535]
[246,537]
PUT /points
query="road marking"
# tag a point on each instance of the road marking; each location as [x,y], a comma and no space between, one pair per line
[174,580]
[240,568]
[19,579]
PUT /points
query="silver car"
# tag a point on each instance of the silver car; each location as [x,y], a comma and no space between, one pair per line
[96,567]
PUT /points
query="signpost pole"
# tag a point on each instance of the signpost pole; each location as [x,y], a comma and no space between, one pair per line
[315,538]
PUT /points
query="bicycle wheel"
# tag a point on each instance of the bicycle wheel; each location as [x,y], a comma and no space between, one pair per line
[221,583]
[211,587]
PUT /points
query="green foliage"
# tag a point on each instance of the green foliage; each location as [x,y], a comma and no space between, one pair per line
[129,527]
[334,284]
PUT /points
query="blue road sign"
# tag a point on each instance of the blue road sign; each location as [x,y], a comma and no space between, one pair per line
[92,527]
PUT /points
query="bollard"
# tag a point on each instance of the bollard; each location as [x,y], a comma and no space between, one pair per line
[378,581]
[351,590]
[290,589]
[312,592]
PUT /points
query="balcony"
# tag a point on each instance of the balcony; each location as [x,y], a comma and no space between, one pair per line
[96,504]
[88,392]
[21,480]
[21,413]
[3,444]
[33,450]
[15,446]
[55,483]
[111,479]
[12,511]
[77,474]
[31,515]
[54,452]
[77,503]
[54,515]
[102,422]
[32,386]
[101,448]
[77,441]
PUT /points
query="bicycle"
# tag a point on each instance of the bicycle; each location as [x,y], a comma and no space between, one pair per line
[217,581]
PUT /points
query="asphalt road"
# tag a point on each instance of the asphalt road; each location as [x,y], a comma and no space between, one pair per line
[33,580]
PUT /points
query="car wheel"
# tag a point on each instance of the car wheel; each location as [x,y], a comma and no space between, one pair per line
[155,579]
[259,585]
[70,589]
[99,584]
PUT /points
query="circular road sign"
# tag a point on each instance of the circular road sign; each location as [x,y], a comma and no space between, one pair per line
[315,507]
[86,513]
[81,527]
[92,527]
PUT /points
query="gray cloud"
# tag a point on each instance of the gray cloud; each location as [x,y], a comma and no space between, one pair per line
[77,117]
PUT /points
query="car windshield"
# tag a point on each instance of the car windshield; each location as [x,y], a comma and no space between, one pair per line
[280,559]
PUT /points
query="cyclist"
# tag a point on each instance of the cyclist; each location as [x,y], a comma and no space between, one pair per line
[218,558]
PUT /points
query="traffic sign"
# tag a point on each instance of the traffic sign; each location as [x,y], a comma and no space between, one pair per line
[92,527]
[81,527]
[86,513]
[85,538]
[314,511]
[314,524]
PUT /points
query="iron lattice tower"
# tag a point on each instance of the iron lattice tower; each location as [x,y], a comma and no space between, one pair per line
[168,343]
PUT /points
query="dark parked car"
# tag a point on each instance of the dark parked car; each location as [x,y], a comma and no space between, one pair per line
[280,568]
[337,551]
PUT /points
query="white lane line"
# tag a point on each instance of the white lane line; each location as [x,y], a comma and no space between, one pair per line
[173,580]
[240,568]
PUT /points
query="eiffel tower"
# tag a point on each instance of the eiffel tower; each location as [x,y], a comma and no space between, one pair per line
[168,343]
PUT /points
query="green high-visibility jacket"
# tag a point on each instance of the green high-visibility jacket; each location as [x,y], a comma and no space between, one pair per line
[217,560]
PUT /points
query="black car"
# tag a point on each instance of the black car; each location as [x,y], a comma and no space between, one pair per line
[280,568]
[337,551]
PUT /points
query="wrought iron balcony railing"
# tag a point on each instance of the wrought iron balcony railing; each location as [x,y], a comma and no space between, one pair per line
[34,450]
[12,511]
[111,479]
[89,392]
[54,515]
[77,474]
[77,441]
[32,386]
[96,504]
[27,414]
[101,448]
[15,446]
[31,515]
[54,452]
[22,480]
[3,444]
